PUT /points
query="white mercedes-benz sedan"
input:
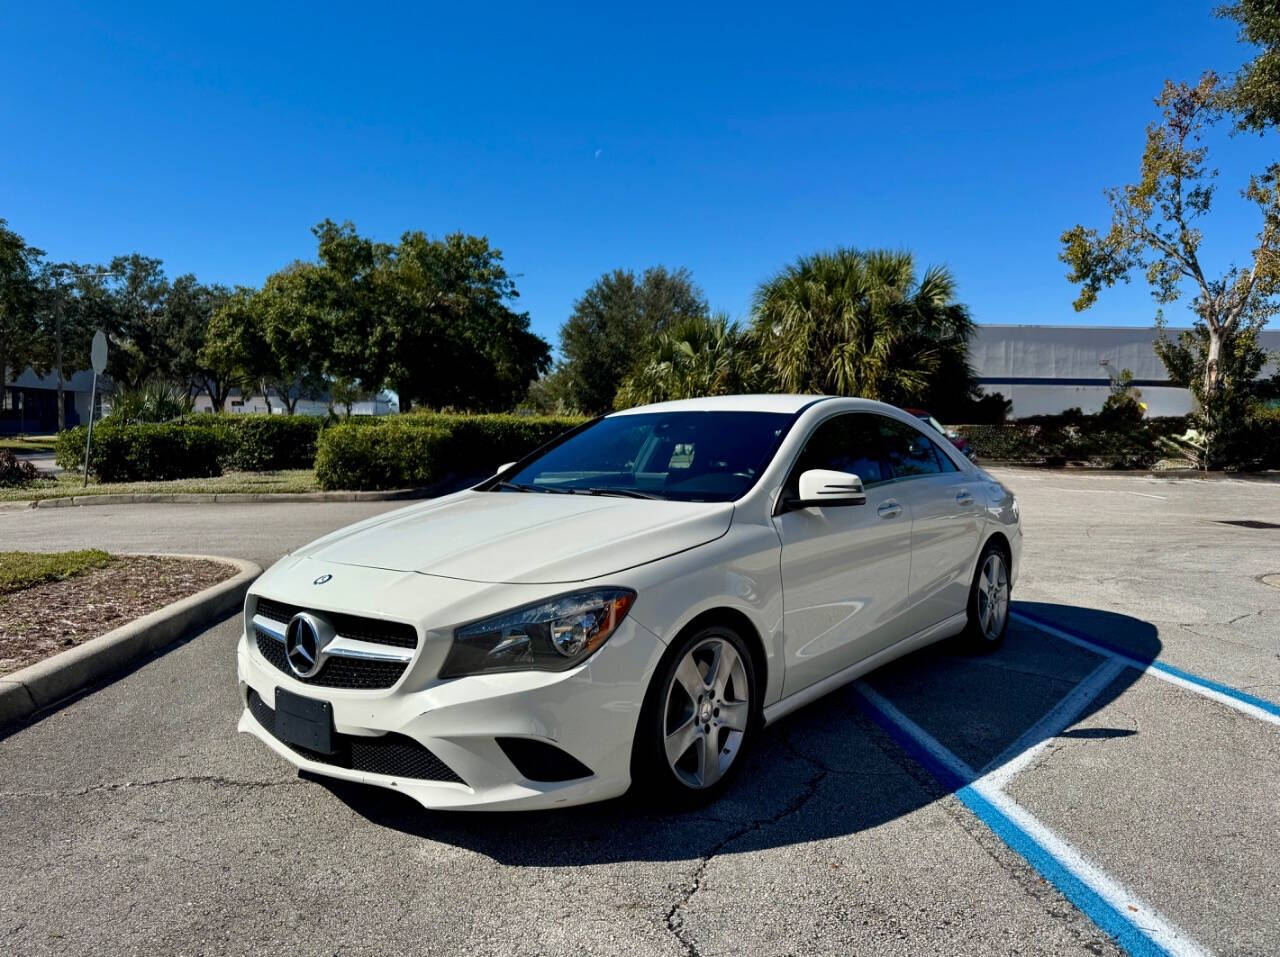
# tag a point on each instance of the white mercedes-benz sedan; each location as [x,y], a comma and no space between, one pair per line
[628,605]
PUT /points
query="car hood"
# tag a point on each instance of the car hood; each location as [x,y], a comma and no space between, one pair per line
[525,538]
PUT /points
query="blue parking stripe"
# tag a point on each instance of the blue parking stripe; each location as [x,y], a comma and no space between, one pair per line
[1155,665]
[1111,921]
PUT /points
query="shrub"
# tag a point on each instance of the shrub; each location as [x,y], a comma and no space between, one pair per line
[421,449]
[1116,438]
[16,472]
[138,453]
[395,454]
[153,401]
[478,444]
[262,443]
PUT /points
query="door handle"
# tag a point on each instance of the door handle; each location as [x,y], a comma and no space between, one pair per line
[889,510]
[964,497]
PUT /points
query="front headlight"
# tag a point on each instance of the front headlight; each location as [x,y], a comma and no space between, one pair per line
[553,635]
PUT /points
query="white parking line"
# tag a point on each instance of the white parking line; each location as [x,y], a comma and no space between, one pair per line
[1023,751]
[1240,701]
[1133,923]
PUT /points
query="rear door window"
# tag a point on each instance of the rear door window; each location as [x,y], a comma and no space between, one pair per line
[911,453]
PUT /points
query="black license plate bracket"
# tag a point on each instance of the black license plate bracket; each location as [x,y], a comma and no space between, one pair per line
[306,722]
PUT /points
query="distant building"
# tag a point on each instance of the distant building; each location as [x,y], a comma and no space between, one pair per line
[29,403]
[238,402]
[1047,369]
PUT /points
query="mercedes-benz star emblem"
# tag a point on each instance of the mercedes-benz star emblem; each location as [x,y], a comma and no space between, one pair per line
[305,639]
[322,579]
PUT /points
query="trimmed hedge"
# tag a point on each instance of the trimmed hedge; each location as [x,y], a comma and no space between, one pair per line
[421,449]
[261,442]
[1104,440]
[195,446]
[137,453]
[395,454]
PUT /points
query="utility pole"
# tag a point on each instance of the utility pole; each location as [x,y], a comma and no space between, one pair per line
[58,308]
[57,350]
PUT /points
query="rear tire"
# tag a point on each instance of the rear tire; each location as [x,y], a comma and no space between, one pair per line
[988,609]
[699,716]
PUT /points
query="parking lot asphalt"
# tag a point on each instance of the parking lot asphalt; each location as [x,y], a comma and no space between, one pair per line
[137,821]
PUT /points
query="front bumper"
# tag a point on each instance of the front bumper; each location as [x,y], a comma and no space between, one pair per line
[590,713]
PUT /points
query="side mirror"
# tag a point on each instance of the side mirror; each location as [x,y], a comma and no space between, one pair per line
[502,468]
[824,488]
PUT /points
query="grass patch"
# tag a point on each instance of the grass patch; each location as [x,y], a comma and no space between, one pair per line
[29,443]
[69,484]
[20,570]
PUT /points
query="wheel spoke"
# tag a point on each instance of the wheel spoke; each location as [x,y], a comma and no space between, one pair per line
[726,665]
[709,760]
[690,678]
[733,715]
[679,741]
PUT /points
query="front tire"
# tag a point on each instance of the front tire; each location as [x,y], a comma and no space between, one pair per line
[698,718]
[988,610]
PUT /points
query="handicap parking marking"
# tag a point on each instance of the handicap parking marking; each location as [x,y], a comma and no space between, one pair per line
[1242,701]
[1132,923]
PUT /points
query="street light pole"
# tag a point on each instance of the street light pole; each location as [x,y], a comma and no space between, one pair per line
[58,308]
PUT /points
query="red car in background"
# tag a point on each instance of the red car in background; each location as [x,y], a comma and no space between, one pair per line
[955,438]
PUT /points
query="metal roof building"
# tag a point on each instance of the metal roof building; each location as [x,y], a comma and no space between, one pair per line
[1046,369]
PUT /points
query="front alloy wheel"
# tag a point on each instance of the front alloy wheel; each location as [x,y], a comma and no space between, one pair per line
[697,719]
[706,713]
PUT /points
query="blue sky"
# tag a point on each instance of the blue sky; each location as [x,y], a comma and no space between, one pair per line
[728,139]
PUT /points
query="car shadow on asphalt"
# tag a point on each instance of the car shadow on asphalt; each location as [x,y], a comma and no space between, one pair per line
[825,771]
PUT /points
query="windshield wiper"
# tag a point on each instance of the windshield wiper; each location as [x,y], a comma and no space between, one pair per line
[517,487]
[624,492]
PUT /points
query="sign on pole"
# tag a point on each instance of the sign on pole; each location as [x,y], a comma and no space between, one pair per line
[98,356]
[98,353]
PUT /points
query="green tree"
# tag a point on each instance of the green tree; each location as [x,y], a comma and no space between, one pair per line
[20,302]
[296,325]
[234,348]
[350,286]
[447,332]
[693,357]
[1253,95]
[859,323]
[189,310]
[139,330]
[1155,231]
[613,327]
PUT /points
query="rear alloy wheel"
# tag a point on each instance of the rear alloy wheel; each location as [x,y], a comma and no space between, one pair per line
[989,601]
[694,728]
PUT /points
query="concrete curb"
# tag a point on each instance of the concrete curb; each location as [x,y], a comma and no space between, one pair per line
[219,498]
[47,682]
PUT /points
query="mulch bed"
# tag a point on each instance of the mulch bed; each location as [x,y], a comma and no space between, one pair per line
[45,619]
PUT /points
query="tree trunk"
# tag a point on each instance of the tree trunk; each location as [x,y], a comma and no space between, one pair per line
[1212,365]
[266,396]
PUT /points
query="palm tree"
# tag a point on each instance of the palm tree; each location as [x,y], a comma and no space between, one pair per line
[693,357]
[859,323]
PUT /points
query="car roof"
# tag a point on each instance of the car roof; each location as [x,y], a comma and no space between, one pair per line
[789,404]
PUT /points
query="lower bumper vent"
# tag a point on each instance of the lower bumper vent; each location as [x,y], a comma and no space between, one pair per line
[540,761]
[396,755]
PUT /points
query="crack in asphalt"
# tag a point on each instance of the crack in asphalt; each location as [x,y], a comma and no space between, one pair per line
[214,779]
[675,918]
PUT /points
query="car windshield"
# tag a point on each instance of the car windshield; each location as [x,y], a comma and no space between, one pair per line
[682,456]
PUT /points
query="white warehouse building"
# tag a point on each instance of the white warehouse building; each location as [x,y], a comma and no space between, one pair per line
[1047,369]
